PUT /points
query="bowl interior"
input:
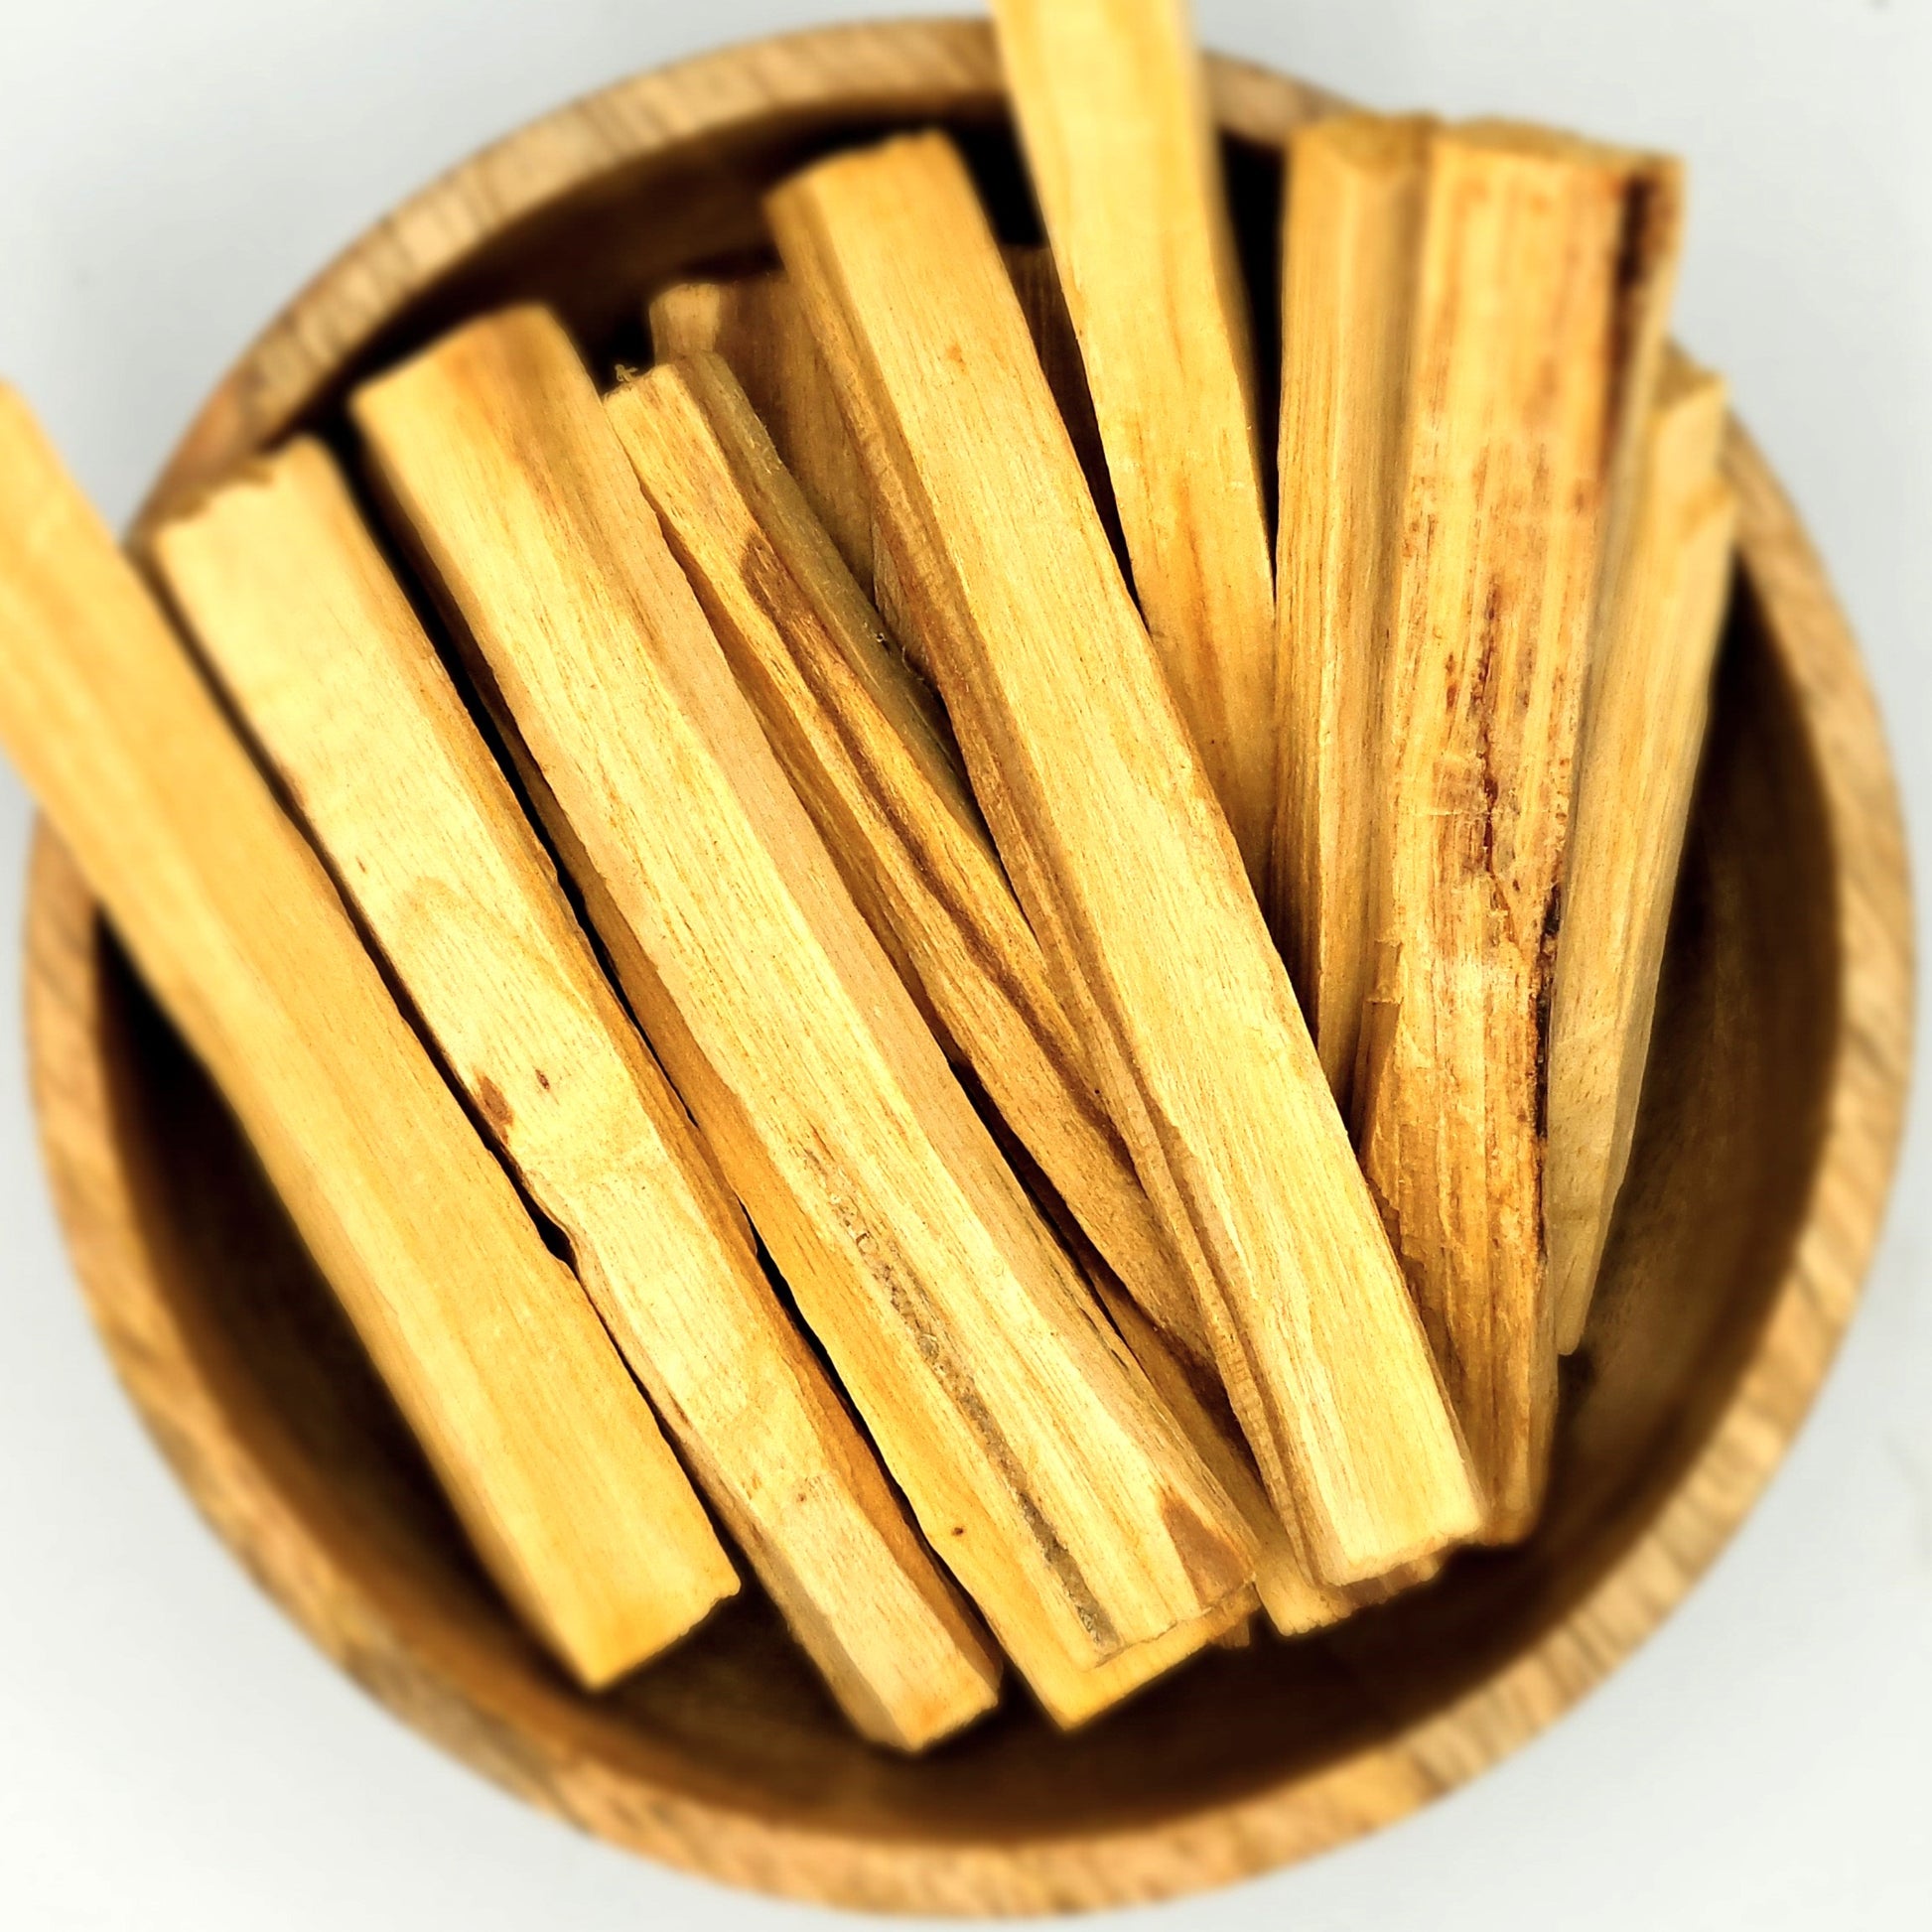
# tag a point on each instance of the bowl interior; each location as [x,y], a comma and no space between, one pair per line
[1732,1122]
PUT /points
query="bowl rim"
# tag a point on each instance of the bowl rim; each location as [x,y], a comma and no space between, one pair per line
[428,1678]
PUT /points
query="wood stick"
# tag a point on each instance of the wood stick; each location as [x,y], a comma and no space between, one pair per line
[850,724]
[327,664]
[1289,1589]
[1033,1455]
[1122,857]
[1652,245]
[758,329]
[543,1444]
[755,324]
[1112,109]
[1043,301]
[1644,718]
[1295,1602]
[1073,1697]
[1351,246]
[1515,367]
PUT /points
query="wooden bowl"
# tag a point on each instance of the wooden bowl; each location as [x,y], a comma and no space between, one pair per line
[1766,1142]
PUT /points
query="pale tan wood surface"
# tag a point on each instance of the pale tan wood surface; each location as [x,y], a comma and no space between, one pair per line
[1648,699]
[1126,865]
[1511,432]
[330,669]
[547,1451]
[1043,301]
[1035,1459]
[854,728]
[1783,1029]
[755,326]
[1650,256]
[1352,248]
[1077,1694]
[1113,112]
[1295,1601]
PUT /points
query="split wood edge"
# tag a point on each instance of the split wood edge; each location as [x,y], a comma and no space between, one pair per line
[548,1453]
[1035,1456]
[326,662]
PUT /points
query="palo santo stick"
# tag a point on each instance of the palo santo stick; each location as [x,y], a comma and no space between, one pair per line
[1112,109]
[1350,247]
[1513,378]
[1073,1697]
[1122,857]
[1035,1458]
[756,326]
[324,661]
[544,1445]
[1296,1603]
[844,714]
[1037,283]
[1643,726]
[1652,243]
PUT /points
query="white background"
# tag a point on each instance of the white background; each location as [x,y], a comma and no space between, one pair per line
[174,1755]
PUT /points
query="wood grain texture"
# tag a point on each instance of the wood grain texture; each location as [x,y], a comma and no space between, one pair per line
[1351,250]
[855,729]
[1043,301]
[330,669]
[547,1451]
[1035,1459]
[1645,709]
[755,326]
[1121,856]
[1784,1036]
[1650,256]
[1113,113]
[1295,1601]
[1510,440]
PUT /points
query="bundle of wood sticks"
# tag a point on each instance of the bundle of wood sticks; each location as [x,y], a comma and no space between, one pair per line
[1081,1057]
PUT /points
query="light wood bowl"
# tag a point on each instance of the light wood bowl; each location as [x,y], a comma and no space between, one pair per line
[1766,1144]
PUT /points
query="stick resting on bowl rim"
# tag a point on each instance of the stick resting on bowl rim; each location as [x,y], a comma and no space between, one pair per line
[546,1450]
